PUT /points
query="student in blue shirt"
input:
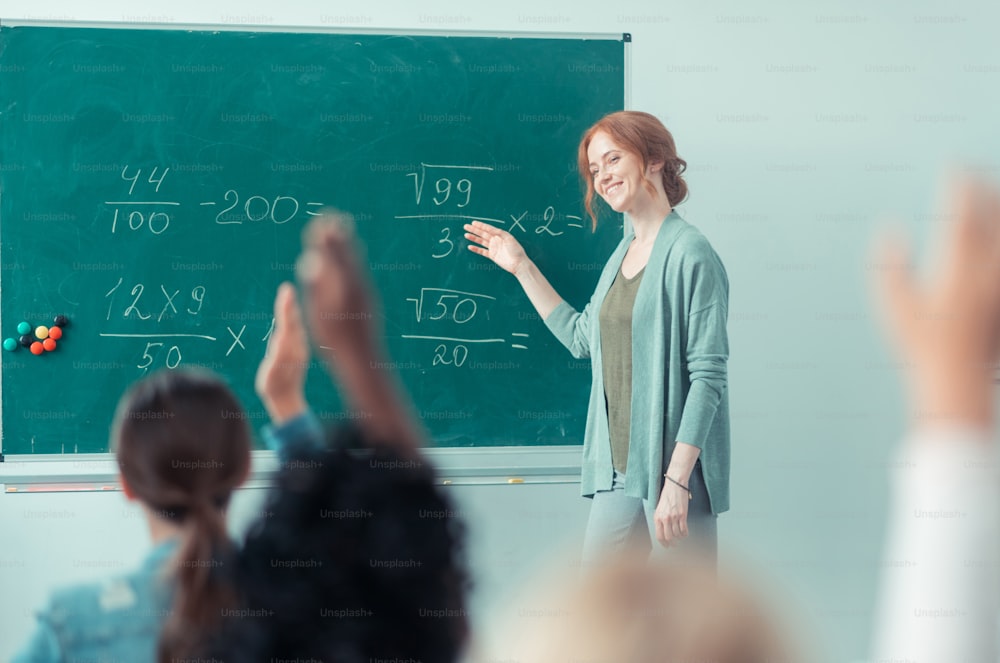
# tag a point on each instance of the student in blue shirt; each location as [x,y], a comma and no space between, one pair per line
[183,446]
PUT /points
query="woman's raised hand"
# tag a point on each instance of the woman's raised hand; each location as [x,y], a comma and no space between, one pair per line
[496,244]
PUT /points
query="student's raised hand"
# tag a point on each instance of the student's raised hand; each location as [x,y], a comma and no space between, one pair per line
[340,306]
[496,244]
[947,328]
[338,298]
[281,375]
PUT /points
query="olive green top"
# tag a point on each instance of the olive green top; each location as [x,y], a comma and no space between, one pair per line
[616,351]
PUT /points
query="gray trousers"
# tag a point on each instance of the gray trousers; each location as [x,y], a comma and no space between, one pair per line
[617,521]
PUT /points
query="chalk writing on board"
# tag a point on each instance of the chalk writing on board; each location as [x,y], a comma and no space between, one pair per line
[138,173]
[139,309]
[441,192]
[173,358]
[157,221]
[450,199]
[453,309]
[279,209]
[237,339]
[460,306]
[143,302]
[443,185]
[197,300]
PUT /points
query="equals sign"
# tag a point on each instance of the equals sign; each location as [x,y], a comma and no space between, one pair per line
[518,345]
[574,225]
[313,205]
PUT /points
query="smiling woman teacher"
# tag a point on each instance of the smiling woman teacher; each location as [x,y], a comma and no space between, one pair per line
[656,447]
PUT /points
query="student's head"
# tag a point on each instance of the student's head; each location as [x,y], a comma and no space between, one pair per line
[641,137]
[357,556]
[183,446]
[632,610]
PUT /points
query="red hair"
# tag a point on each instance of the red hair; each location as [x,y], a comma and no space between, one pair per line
[645,136]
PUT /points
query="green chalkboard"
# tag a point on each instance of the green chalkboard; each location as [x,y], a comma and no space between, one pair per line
[154,183]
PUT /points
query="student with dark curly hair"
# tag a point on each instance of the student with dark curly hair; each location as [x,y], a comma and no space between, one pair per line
[356,557]
[355,560]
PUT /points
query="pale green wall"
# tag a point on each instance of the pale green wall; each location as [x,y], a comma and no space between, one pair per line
[803,123]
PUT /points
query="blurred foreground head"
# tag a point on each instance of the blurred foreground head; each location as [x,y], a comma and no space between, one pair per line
[634,611]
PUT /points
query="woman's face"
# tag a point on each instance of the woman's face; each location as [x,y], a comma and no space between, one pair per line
[617,174]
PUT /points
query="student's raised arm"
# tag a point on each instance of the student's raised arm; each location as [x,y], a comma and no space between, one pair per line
[281,377]
[938,600]
[342,317]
